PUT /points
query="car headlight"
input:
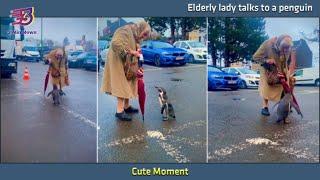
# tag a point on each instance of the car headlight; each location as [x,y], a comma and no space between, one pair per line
[216,76]
[165,54]
[12,64]
[29,55]
[197,50]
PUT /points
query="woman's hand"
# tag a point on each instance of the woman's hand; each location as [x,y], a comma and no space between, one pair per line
[134,53]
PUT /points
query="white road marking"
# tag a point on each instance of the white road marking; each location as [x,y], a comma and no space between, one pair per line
[126,140]
[173,152]
[162,140]
[275,145]
[307,92]
[187,125]
[21,94]
[79,116]
[73,113]
[259,141]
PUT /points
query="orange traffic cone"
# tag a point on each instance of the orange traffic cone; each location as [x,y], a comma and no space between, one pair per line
[26,75]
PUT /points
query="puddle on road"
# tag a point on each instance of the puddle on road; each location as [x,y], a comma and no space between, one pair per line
[176,79]
[238,99]
[175,71]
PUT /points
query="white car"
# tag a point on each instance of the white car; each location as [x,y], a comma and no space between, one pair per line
[307,76]
[30,53]
[249,78]
[104,52]
[197,50]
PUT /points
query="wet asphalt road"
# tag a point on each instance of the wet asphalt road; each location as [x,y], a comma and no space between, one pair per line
[180,140]
[238,133]
[34,130]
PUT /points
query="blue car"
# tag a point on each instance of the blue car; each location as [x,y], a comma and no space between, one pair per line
[161,53]
[90,63]
[218,79]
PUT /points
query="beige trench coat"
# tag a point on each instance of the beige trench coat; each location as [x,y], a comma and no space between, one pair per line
[268,51]
[54,66]
[114,80]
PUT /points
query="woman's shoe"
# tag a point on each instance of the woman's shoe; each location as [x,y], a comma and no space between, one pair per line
[123,116]
[130,109]
[265,111]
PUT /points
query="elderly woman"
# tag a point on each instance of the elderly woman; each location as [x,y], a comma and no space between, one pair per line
[116,80]
[276,51]
[58,69]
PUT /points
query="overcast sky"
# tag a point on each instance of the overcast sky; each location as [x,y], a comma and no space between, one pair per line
[59,28]
[293,27]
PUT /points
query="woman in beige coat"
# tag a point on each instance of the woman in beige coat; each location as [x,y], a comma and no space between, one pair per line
[123,46]
[276,51]
[58,69]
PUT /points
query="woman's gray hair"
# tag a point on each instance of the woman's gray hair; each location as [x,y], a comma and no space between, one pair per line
[284,41]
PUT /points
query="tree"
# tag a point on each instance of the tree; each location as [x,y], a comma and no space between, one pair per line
[188,24]
[235,39]
[158,23]
[312,37]
[65,42]
[161,24]
[174,24]
[215,36]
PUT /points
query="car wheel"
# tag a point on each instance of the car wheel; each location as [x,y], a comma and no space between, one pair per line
[182,64]
[317,83]
[234,89]
[157,60]
[243,85]
[191,58]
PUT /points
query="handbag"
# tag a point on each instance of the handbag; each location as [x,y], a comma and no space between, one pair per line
[130,68]
[271,73]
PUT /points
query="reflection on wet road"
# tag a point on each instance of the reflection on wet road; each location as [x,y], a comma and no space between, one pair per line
[154,140]
[34,130]
[238,133]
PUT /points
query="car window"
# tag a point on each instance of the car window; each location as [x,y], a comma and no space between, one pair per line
[144,45]
[298,73]
[233,71]
[246,71]
[159,45]
[184,45]
[177,44]
[196,44]
[225,69]
[214,69]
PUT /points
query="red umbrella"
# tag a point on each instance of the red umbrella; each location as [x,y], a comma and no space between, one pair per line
[46,83]
[141,91]
[285,84]
[287,89]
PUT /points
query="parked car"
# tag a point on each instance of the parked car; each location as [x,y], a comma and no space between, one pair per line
[198,52]
[162,53]
[249,78]
[307,76]
[29,53]
[75,59]
[103,52]
[90,63]
[218,79]
[44,51]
